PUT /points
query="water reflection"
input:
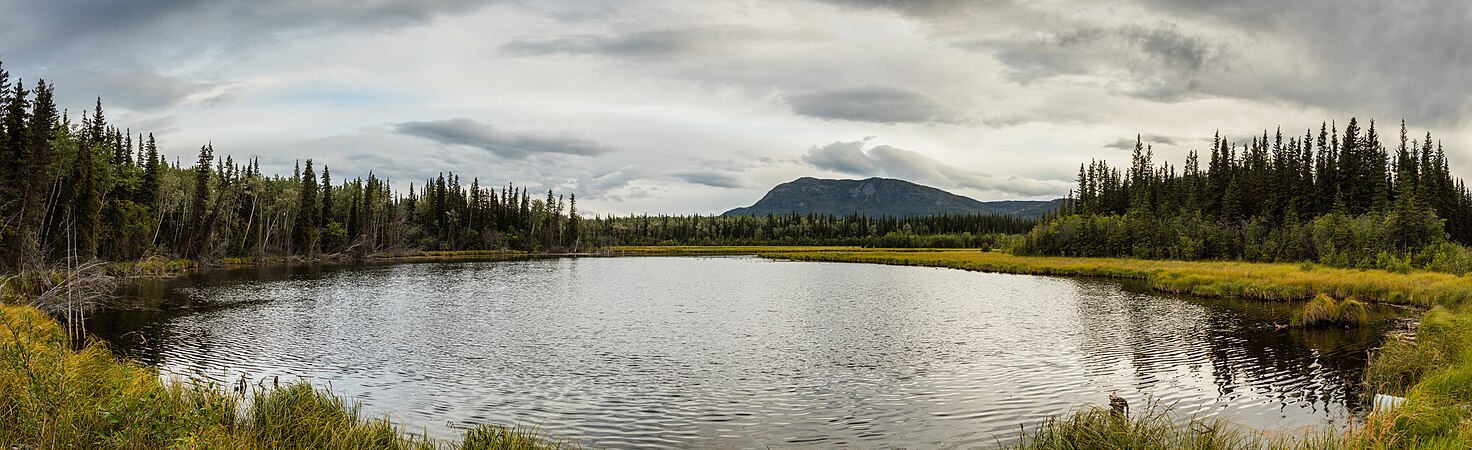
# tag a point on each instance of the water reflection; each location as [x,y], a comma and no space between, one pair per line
[739,352]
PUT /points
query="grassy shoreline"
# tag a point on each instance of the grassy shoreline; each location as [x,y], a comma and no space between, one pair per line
[54,397]
[1263,281]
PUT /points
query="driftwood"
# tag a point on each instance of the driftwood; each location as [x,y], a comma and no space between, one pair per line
[85,286]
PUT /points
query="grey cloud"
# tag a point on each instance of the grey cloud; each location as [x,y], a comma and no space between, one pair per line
[843,157]
[114,48]
[642,44]
[883,160]
[1401,59]
[615,179]
[711,178]
[1157,62]
[1409,59]
[91,18]
[1128,143]
[930,10]
[135,90]
[879,104]
[506,144]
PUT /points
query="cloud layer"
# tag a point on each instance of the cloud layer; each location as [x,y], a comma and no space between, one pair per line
[664,106]
[506,144]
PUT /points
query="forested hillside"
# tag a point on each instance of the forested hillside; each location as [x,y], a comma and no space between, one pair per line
[93,189]
[1341,198]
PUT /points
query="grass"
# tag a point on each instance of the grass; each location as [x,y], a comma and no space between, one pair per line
[52,397]
[1099,428]
[1264,281]
[1324,311]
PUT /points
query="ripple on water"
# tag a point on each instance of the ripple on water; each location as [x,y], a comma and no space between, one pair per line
[741,352]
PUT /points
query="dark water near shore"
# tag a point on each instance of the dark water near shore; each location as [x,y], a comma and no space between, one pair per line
[740,352]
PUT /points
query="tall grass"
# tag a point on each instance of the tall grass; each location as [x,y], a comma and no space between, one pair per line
[1319,311]
[1324,311]
[52,397]
[1152,429]
[1264,281]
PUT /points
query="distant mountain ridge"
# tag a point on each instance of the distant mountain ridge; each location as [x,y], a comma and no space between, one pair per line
[878,197]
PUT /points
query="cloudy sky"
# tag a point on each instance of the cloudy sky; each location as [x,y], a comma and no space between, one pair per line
[698,107]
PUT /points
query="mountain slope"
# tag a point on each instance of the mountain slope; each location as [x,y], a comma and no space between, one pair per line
[877,197]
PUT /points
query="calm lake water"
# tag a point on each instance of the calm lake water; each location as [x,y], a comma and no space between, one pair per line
[740,351]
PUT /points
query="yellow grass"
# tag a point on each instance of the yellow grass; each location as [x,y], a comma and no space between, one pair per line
[1268,281]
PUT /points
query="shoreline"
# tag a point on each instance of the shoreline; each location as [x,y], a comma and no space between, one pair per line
[1419,370]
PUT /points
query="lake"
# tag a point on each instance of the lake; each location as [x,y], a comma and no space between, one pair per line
[740,351]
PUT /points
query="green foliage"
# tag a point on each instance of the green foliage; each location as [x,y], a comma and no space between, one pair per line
[1339,204]
[944,231]
[76,190]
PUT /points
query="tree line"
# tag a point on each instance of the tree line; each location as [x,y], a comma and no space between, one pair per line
[951,231]
[1342,198]
[78,191]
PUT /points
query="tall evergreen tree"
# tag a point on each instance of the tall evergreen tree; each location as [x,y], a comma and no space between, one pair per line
[198,233]
[304,237]
[37,159]
[151,189]
[86,203]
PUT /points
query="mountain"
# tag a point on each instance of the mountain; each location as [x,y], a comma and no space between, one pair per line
[877,197]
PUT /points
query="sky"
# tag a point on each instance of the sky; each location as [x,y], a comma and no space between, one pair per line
[699,107]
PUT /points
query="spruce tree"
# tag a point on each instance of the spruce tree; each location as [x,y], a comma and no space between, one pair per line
[326,215]
[86,203]
[151,190]
[14,132]
[38,156]
[199,207]
[304,237]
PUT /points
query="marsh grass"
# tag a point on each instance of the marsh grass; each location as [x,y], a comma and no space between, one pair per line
[1351,312]
[1261,281]
[1152,429]
[1319,311]
[52,397]
[1323,311]
[1094,428]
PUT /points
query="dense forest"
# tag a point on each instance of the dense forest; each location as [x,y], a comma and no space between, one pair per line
[1343,199]
[79,191]
[942,231]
